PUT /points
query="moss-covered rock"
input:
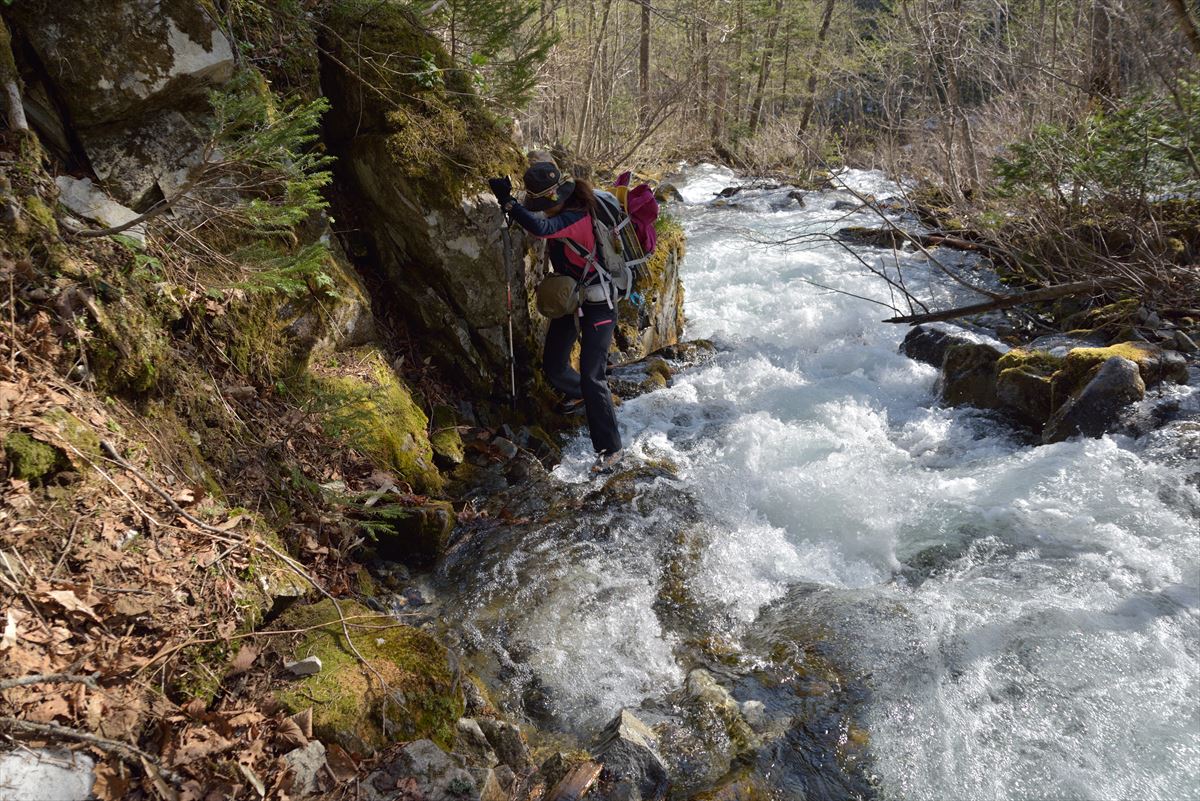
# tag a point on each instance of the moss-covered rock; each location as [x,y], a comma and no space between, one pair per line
[1024,383]
[31,459]
[376,413]
[658,322]
[1154,364]
[969,375]
[414,147]
[1095,406]
[414,535]
[445,438]
[422,699]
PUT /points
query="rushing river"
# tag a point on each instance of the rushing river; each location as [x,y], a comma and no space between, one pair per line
[1010,621]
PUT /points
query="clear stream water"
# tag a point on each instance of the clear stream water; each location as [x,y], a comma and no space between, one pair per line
[1018,622]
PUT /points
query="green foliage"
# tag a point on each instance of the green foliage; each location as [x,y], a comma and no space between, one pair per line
[267,145]
[286,272]
[270,143]
[498,44]
[1148,145]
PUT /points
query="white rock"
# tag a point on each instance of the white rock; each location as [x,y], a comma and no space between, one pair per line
[308,666]
[46,775]
[86,200]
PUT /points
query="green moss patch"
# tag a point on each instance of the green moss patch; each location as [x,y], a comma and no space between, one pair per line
[377,414]
[1151,362]
[349,706]
[30,459]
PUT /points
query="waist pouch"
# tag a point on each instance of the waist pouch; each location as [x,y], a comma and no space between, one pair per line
[558,296]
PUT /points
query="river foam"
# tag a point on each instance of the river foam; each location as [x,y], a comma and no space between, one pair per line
[1027,619]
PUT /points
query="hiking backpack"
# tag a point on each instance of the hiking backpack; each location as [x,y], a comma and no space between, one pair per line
[625,240]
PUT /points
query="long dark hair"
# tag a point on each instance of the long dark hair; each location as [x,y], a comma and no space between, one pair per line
[582,199]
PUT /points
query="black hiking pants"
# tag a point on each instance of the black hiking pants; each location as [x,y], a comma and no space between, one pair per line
[596,328]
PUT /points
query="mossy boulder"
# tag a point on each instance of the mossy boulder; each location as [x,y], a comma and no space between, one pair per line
[658,322]
[421,700]
[142,116]
[31,459]
[1154,364]
[1024,383]
[374,411]
[1095,407]
[414,535]
[445,438]
[969,375]
[414,150]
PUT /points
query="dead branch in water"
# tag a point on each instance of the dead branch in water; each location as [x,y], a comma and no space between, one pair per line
[1009,301]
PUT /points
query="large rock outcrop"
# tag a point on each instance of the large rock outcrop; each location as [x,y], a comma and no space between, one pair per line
[414,148]
[140,117]
[413,152]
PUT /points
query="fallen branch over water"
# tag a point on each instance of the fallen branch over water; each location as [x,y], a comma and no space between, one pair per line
[1009,301]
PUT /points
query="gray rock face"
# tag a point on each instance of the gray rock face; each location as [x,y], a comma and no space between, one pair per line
[1096,407]
[473,745]
[304,765]
[84,199]
[508,743]
[425,769]
[139,116]
[633,769]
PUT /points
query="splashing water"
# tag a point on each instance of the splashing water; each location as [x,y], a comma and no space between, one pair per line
[1026,619]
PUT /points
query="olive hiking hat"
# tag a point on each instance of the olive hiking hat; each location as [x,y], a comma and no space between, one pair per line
[546,186]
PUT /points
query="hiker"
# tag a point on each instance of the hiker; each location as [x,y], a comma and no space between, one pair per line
[568,206]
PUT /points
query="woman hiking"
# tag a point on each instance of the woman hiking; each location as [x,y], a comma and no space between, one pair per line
[568,206]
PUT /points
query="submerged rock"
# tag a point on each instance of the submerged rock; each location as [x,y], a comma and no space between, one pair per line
[1095,408]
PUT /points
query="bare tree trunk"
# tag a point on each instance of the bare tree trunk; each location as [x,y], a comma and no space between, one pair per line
[644,63]
[591,74]
[1102,78]
[718,117]
[810,101]
[705,66]
[9,79]
[1186,24]
[765,67]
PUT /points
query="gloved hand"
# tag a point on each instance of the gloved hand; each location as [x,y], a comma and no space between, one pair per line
[636,299]
[501,188]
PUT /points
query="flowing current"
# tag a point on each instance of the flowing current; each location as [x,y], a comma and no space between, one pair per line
[1018,621]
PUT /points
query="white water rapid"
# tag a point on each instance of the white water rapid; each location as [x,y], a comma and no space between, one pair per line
[1025,620]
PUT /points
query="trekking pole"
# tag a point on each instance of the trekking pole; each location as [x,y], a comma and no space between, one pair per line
[506,243]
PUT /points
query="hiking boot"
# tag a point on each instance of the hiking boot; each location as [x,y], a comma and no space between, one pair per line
[606,462]
[568,406]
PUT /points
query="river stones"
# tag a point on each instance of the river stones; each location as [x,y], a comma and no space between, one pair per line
[473,744]
[633,769]
[891,238]
[1096,407]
